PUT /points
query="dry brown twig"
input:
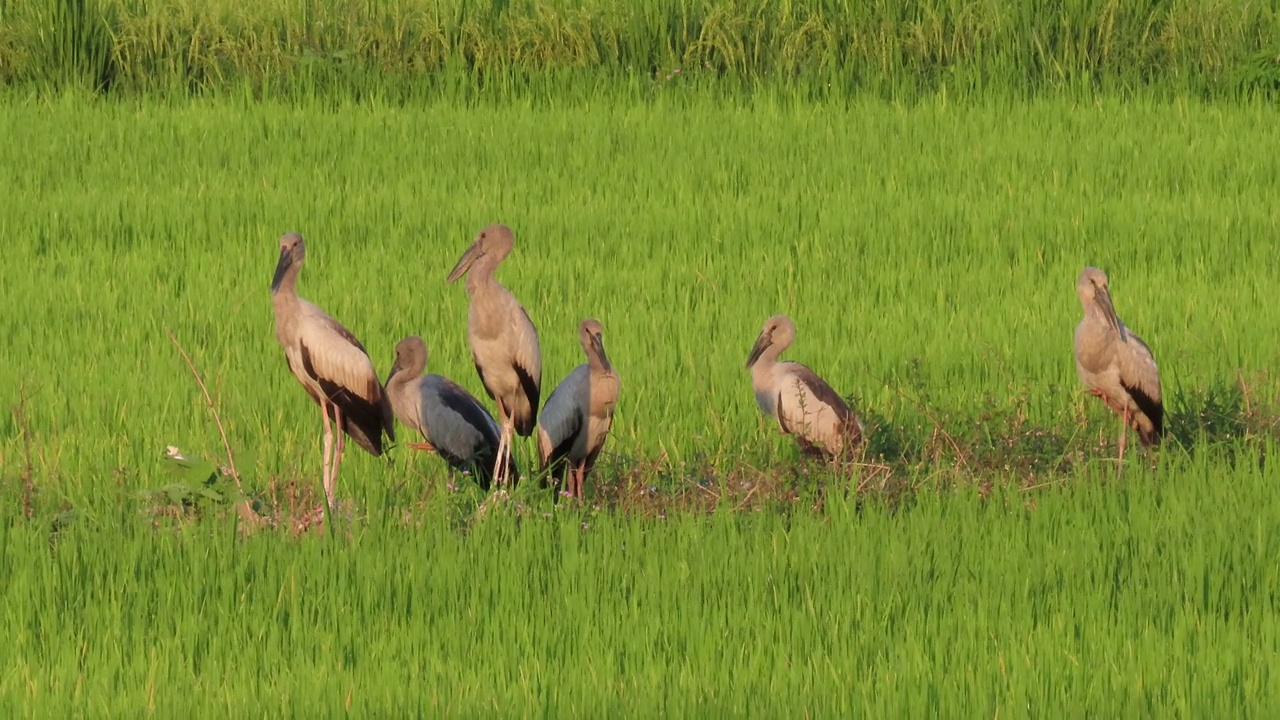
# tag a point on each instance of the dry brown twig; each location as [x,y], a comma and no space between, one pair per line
[243,507]
[937,426]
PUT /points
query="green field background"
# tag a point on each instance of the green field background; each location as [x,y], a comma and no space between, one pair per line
[928,257]
[917,185]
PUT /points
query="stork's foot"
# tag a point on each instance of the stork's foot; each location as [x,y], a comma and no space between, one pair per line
[423,446]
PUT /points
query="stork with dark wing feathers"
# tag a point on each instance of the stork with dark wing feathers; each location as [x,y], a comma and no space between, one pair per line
[451,420]
[504,342]
[578,415]
[1115,364]
[331,365]
[804,405]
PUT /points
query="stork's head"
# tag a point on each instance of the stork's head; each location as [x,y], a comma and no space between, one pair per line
[1094,294]
[411,359]
[591,334]
[491,245]
[779,332]
[293,250]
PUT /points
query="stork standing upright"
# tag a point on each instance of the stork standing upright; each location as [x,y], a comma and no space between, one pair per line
[331,365]
[451,420]
[579,413]
[804,405]
[504,342]
[1116,365]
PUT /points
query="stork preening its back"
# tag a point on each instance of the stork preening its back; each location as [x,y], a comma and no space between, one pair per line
[504,342]
[804,405]
[450,419]
[331,365]
[1116,365]
[578,415]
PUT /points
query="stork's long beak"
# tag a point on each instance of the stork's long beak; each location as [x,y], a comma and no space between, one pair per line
[282,267]
[597,344]
[1108,310]
[468,258]
[396,367]
[762,343]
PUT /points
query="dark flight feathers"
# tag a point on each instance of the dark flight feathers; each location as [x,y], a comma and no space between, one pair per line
[362,420]
[1152,409]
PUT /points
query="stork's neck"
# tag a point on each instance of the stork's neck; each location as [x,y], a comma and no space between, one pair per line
[771,354]
[480,279]
[1101,320]
[766,363]
[1095,311]
[288,287]
[480,274]
[404,372]
[598,362]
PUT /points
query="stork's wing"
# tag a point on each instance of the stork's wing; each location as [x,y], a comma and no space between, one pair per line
[1141,378]
[827,417]
[336,356]
[336,361]
[818,388]
[564,415]
[456,421]
[527,360]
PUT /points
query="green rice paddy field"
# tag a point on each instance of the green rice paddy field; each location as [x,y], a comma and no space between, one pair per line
[983,559]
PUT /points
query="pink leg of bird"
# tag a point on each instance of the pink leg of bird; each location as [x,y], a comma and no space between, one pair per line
[500,464]
[506,454]
[1124,432]
[328,451]
[423,446]
[1103,397]
[340,438]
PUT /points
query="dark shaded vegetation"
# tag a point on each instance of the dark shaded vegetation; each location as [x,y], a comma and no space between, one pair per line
[353,50]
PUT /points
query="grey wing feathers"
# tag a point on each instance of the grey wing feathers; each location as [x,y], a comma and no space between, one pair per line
[564,414]
[456,423]
[459,427]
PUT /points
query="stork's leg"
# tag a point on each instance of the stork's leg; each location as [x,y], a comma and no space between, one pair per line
[1124,432]
[340,438]
[328,452]
[509,431]
[577,481]
[423,446]
[501,455]
[497,457]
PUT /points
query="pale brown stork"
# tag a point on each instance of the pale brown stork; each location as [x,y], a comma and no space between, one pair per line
[1116,365]
[504,342]
[576,419]
[804,405]
[331,365]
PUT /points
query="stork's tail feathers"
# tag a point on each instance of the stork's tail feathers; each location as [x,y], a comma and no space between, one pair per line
[1151,433]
